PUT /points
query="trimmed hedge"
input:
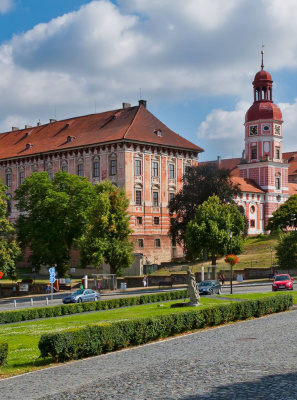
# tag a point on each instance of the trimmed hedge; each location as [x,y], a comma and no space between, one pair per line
[98,339]
[3,352]
[7,317]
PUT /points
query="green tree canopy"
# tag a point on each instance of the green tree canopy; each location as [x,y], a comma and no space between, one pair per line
[53,216]
[201,182]
[107,238]
[211,227]
[283,215]
[286,251]
[10,252]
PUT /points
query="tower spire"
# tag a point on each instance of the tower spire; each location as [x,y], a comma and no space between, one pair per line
[262,52]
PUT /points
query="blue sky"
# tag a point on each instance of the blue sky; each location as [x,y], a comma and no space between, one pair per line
[194,61]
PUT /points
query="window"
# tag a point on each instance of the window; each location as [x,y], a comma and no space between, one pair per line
[113,167]
[171,171]
[157,242]
[138,197]
[64,168]
[156,220]
[140,243]
[8,209]
[155,199]
[139,220]
[8,179]
[253,209]
[252,223]
[277,153]
[277,183]
[155,169]
[137,167]
[50,173]
[170,196]
[96,169]
[80,170]
[187,172]
[22,177]
[254,153]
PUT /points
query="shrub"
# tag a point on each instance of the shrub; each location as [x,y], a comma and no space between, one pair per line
[98,339]
[3,352]
[7,317]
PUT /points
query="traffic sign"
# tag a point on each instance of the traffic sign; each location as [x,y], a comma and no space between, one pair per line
[52,279]
[52,270]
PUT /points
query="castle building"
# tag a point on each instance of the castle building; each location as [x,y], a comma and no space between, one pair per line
[128,146]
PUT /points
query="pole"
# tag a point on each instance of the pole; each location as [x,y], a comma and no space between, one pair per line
[271,249]
[231,283]
[52,293]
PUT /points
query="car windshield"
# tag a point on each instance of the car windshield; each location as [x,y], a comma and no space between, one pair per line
[77,292]
[205,283]
[282,278]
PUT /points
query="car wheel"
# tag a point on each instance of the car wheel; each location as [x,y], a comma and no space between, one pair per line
[95,298]
[211,292]
[79,300]
[220,291]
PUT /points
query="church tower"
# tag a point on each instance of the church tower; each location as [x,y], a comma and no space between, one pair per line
[262,160]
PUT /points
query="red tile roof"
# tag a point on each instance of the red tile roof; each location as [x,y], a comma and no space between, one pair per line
[292,188]
[133,124]
[247,185]
[229,163]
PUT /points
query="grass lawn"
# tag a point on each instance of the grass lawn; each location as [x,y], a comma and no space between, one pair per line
[255,296]
[23,338]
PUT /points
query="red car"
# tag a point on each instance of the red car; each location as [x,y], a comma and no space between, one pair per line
[282,282]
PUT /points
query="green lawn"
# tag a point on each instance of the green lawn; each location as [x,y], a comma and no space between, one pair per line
[255,296]
[23,338]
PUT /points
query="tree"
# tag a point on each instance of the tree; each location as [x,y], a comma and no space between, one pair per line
[211,227]
[53,215]
[10,251]
[282,216]
[286,251]
[107,238]
[201,182]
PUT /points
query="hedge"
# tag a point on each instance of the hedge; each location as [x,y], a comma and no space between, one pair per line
[97,339]
[3,352]
[7,317]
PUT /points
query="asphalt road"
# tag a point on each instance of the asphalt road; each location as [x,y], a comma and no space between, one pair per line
[40,300]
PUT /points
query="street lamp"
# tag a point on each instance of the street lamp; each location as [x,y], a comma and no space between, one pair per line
[231,287]
[271,250]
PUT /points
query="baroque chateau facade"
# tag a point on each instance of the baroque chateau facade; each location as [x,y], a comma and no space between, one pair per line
[134,150]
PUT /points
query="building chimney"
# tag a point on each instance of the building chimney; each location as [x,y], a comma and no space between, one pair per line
[142,102]
[243,154]
[219,160]
[126,105]
[52,120]
[38,123]
[28,126]
[14,128]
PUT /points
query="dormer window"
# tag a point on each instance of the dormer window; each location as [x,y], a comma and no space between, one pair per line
[29,145]
[158,132]
[70,138]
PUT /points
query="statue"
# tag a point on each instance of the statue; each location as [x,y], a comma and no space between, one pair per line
[192,289]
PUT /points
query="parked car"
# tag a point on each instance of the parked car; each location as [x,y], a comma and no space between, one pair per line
[209,287]
[282,282]
[80,296]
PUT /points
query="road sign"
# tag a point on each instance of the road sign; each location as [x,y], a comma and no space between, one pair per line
[52,275]
[52,270]
[52,279]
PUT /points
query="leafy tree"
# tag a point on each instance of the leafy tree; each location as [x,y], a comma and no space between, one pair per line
[282,216]
[286,251]
[201,182]
[107,237]
[210,229]
[53,216]
[10,252]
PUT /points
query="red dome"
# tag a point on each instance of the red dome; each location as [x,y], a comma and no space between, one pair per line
[263,110]
[262,76]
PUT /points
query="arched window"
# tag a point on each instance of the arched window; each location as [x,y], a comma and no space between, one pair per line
[8,201]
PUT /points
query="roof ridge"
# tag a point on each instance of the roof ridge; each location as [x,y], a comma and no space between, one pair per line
[131,122]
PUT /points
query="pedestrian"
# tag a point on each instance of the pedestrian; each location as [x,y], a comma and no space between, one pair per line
[81,286]
[144,281]
[14,291]
[223,279]
[220,278]
[47,289]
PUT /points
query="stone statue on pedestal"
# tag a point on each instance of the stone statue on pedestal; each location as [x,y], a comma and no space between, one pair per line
[192,288]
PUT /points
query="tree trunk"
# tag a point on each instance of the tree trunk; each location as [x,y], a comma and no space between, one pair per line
[213,263]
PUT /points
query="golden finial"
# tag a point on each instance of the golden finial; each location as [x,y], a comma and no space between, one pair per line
[262,52]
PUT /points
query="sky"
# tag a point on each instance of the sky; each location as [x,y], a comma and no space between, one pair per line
[192,60]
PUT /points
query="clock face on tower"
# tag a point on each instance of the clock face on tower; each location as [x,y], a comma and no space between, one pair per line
[277,130]
[253,130]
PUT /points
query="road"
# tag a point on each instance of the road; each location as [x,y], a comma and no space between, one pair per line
[40,300]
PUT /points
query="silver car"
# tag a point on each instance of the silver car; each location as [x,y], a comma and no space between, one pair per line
[209,287]
[80,296]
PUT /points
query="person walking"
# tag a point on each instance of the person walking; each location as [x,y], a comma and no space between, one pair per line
[223,279]
[144,281]
[47,289]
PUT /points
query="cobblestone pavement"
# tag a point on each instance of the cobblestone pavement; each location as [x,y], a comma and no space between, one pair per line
[255,359]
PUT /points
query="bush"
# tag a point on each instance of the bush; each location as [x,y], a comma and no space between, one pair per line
[7,317]
[3,352]
[98,339]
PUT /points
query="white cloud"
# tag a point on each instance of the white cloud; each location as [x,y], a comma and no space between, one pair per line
[6,6]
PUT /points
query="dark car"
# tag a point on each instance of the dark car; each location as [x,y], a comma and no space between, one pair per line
[80,296]
[209,287]
[282,282]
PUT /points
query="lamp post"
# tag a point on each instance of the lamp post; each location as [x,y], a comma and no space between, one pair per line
[271,250]
[231,287]
[293,219]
